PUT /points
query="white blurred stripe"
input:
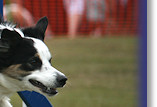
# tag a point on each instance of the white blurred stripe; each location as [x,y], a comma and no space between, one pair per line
[153,54]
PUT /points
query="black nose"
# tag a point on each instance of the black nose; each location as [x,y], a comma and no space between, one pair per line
[61,81]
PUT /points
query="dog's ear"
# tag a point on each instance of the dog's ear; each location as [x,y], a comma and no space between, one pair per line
[8,39]
[42,24]
[38,31]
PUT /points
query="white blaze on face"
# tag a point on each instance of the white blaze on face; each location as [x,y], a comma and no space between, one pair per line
[47,74]
[44,55]
[42,50]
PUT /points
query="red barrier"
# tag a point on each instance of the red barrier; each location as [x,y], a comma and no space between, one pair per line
[119,18]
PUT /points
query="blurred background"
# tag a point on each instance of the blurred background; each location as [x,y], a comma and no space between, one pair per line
[93,42]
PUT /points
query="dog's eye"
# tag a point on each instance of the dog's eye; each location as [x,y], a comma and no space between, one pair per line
[32,64]
[33,60]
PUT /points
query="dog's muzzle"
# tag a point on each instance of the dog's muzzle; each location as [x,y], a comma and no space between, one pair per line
[60,82]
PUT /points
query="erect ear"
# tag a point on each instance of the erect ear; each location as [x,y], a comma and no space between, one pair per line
[38,31]
[8,39]
[42,24]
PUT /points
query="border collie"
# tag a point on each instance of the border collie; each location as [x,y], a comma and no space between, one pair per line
[25,62]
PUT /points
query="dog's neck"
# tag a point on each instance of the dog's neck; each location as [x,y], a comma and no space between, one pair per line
[5,102]
[5,92]
[8,85]
[4,87]
[4,96]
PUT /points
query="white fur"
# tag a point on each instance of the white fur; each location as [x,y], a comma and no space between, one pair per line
[19,31]
[7,26]
[12,28]
[5,102]
[7,87]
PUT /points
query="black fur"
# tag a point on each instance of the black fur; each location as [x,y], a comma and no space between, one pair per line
[37,31]
[17,50]
[22,54]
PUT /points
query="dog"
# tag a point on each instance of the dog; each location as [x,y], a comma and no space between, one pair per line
[25,62]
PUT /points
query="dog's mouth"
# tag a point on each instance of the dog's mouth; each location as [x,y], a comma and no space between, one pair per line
[43,88]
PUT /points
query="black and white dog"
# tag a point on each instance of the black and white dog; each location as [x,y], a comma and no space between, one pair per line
[25,62]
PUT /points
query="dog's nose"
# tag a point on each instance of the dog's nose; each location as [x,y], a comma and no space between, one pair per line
[61,80]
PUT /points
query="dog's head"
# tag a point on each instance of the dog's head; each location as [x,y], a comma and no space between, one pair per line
[25,60]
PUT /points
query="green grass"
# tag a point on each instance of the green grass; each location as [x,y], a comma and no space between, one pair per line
[102,72]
